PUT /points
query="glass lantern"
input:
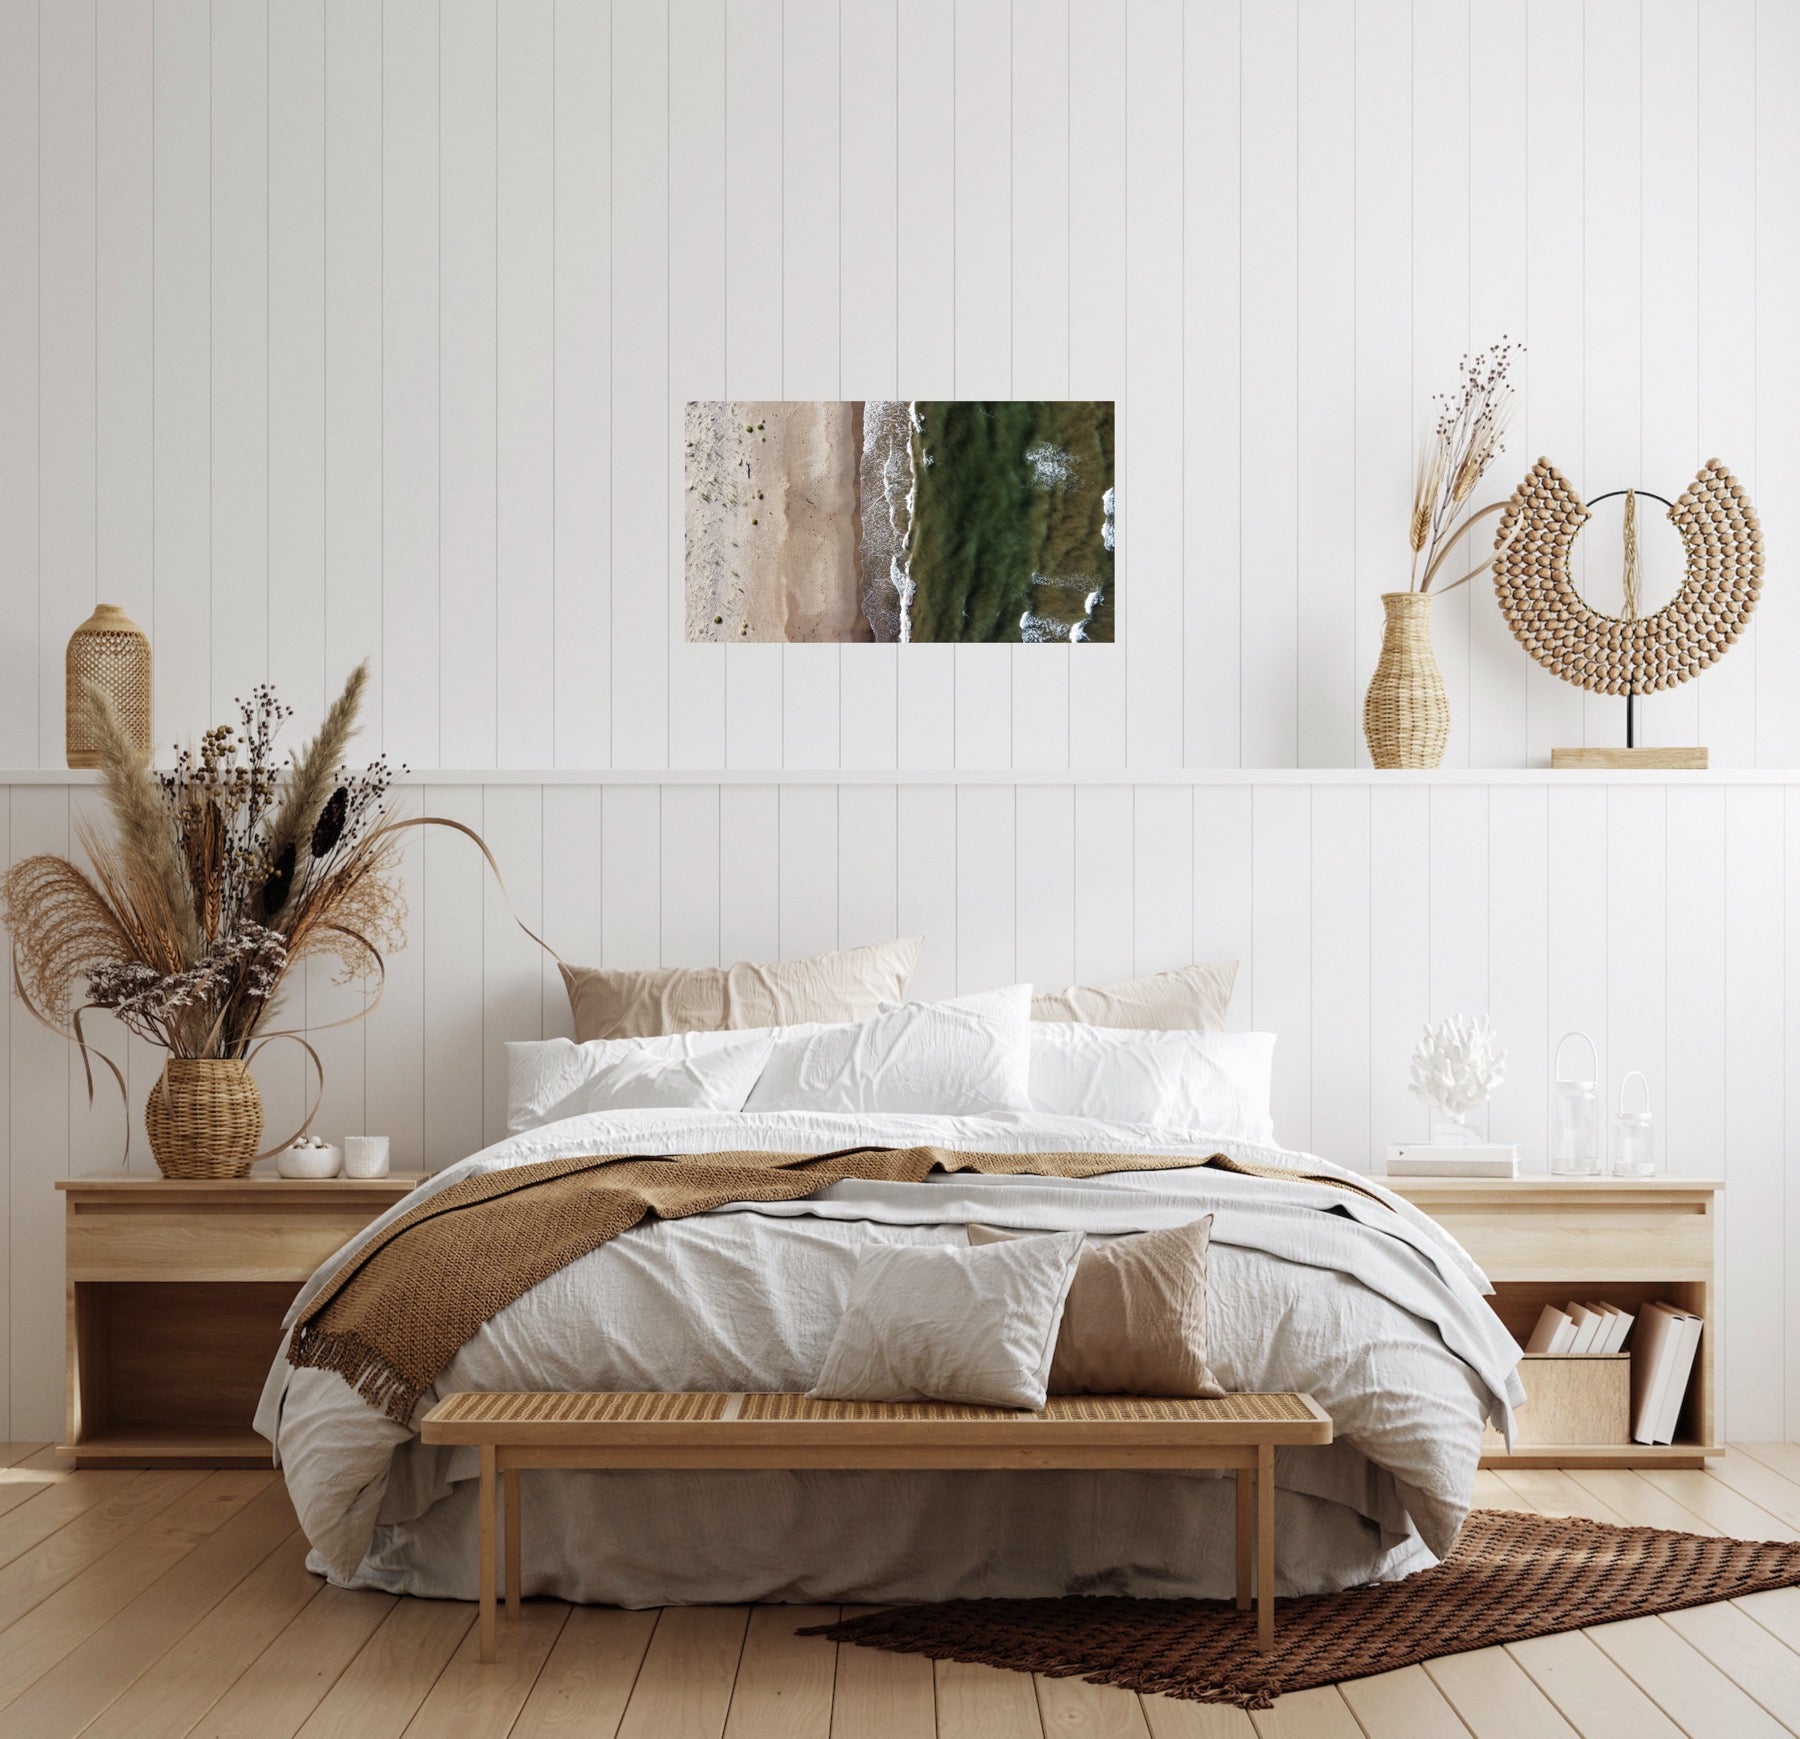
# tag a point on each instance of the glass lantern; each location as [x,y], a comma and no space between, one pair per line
[1575,1139]
[1634,1134]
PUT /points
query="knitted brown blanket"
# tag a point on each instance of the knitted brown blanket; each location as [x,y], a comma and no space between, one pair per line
[402,1307]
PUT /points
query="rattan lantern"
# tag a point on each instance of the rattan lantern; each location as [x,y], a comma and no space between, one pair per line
[1631,654]
[110,651]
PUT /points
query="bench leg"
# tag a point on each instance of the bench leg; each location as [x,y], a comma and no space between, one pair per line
[489,1507]
[510,1481]
[1246,1536]
[1265,1546]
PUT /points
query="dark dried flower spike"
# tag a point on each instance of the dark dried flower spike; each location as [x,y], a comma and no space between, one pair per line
[329,828]
[280,880]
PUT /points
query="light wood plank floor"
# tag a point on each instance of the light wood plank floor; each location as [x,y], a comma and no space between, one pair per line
[145,1604]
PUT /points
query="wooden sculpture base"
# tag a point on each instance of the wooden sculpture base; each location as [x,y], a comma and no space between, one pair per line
[1619,760]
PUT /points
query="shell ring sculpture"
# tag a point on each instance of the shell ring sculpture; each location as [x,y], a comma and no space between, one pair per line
[1619,654]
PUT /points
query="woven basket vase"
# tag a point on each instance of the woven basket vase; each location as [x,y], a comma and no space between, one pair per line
[1406,714]
[108,650]
[204,1118]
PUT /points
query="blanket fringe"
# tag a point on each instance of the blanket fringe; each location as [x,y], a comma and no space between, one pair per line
[364,1368]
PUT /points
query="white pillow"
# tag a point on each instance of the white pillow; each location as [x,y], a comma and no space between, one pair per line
[556,1078]
[1214,1083]
[961,1058]
[928,1323]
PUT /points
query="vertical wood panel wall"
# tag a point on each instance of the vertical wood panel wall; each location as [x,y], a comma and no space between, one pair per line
[1660,918]
[331,330]
[334,329]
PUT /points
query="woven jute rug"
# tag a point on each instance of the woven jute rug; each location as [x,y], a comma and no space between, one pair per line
[1510,1576]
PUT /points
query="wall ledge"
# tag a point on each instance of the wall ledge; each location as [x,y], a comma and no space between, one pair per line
[991,776]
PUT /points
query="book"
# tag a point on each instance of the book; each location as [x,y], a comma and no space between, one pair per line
[1613,1330]
[1662,1357]
[1448,1159]
[1587,1322]
[1680,1368]
[1553,1333]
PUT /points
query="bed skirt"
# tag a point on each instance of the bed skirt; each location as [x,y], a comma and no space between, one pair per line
[672,1539]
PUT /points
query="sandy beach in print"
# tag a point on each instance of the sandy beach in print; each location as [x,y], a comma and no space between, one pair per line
[771,521]
[974,521]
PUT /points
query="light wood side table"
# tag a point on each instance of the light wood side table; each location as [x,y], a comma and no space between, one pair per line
[1547,1240]
[176,1291]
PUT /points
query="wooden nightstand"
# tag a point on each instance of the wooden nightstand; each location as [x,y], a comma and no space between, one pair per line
[176,1291]
[1547,1240]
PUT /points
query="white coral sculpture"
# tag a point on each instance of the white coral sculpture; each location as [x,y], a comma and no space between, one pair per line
[1457,1065]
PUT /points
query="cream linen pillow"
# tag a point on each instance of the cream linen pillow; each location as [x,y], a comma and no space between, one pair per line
[1191,998]
[850,984]
[1135,1320]
[930,1323]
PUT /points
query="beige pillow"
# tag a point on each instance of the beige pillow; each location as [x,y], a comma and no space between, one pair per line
[1189,999]
[1135,1320]
[850,984]
[935,1322]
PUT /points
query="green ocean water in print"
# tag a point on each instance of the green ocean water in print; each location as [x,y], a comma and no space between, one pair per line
[1012,521]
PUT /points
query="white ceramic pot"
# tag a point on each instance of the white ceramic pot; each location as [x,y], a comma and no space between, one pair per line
[365,1156]
[309,1158]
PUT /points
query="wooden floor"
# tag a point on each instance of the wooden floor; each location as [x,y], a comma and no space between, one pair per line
[141,1604]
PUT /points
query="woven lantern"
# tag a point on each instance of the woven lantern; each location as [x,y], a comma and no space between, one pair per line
[110,651]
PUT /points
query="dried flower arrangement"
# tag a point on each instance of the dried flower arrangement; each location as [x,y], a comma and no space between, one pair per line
[1469,432]
[215,879]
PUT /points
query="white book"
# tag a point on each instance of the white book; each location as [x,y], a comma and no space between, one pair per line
[1658,1327]
[1681,1365]
[1618,1325]
[1447,1159]
[1587,1327]
[1553,1325]
[1603,1327]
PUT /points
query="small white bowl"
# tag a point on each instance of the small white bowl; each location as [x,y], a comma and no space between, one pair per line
[309,1159]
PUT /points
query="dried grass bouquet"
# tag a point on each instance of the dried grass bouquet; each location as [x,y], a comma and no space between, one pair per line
[215,879]
[1468,433]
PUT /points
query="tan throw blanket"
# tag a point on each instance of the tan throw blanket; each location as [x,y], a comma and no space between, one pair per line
[395,1315]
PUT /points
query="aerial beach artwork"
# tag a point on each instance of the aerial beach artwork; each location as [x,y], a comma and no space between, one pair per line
[973,520]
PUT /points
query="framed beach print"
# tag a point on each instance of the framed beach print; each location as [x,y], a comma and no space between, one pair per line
[951,520]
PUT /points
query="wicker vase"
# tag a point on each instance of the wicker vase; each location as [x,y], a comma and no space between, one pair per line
[1406,714]
[110,651]
[204,1118]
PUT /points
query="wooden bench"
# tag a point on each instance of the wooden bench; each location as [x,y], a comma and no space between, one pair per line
[790,1432]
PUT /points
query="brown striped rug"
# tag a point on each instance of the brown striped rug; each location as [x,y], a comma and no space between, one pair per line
[1511,1576]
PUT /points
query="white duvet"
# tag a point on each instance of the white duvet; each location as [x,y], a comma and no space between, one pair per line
[1371,1308]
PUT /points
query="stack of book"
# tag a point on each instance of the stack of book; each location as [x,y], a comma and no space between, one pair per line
[1582,1328]
[1662,1357]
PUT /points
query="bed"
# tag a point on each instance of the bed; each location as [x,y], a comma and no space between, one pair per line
[1352,1296]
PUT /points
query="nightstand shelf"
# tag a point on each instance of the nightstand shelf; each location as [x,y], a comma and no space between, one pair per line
[176,1291]
[1547,1240]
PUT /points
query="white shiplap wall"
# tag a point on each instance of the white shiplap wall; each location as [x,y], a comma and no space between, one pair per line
[1657,916]
[335,329]
[330,329]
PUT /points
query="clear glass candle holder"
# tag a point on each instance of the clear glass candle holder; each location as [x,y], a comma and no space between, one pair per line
[1634,1134]
[1575,1133]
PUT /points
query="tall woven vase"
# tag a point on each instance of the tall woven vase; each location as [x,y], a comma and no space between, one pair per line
[1406,714]
[204,1118]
